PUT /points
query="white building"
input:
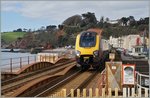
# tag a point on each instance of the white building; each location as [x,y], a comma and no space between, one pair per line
[113,41]
[127,42]
[130,41]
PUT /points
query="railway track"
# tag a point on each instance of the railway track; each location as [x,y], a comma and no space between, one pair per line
[75,81]
[9,88]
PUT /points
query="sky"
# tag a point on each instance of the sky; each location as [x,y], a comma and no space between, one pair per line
[34,14]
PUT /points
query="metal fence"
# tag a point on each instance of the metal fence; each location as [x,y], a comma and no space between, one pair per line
[12,64]
[15,64]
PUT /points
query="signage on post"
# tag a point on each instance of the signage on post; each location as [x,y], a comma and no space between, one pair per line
[111,56]
[113,75]
[128,74]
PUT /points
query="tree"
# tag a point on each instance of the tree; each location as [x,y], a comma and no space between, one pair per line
[124,21]
[73,20]
[19,30]
[102,19]
[132,21]
[107,19]
[89,20]
[24,30]
[60,27]
[51,27]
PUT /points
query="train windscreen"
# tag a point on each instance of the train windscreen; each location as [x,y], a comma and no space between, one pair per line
[88,39]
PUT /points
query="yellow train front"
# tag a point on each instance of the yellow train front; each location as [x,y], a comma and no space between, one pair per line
[88,49]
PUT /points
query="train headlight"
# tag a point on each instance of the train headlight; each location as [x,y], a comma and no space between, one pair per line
[96,53]
[78,53]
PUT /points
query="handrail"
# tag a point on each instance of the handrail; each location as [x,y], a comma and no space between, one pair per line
[142,74]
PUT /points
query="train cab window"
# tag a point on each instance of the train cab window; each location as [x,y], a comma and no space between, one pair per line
[88,39]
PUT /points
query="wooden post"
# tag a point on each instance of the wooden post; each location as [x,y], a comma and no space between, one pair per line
[34,58]
[109,92]
[78,92]
[49,58]
[20,62]
[61,93]
[124,92]
[58,94]
[97,92]
[128,91]
[53,57]
[90,92]
[64,93]
[72,92]
[116,92]
[103,92]
[45,57]
[139,92]
[40,58]
[28,60]
[84,92]
[133,92]
[10,64]
[146,92]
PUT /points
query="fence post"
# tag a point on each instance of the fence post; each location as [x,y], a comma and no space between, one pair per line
[109,92]
[103,92]
[116,92]
[53,57]
[140,79]
[139,92]
[10,64]
[133,92]
[28,60]
[97,92]
[40,58]
[35,58]
[64,92]
[84,92]
[49,58]
[72,92]
[45,57]
[20,62]
[124,92]
[90,92]
[146,92]
[78,92]
[128,91]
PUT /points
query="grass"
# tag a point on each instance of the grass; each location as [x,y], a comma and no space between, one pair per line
[11,36]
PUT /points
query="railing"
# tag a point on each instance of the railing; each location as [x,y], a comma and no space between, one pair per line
[15,64]
[10,64]
[142,83]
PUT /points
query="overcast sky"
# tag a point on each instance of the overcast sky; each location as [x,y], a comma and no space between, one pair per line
[34,14]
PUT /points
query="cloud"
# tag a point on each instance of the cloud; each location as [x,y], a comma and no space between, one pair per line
[60,10]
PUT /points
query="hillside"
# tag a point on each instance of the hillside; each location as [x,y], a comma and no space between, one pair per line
[8,37]
[53,36]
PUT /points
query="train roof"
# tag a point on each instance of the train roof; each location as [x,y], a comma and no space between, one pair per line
[96,30]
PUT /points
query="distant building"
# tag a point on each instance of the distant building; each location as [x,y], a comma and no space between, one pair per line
[129,42]
[113,21]
[113,41]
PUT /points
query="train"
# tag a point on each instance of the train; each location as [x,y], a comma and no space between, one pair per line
[89,49]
